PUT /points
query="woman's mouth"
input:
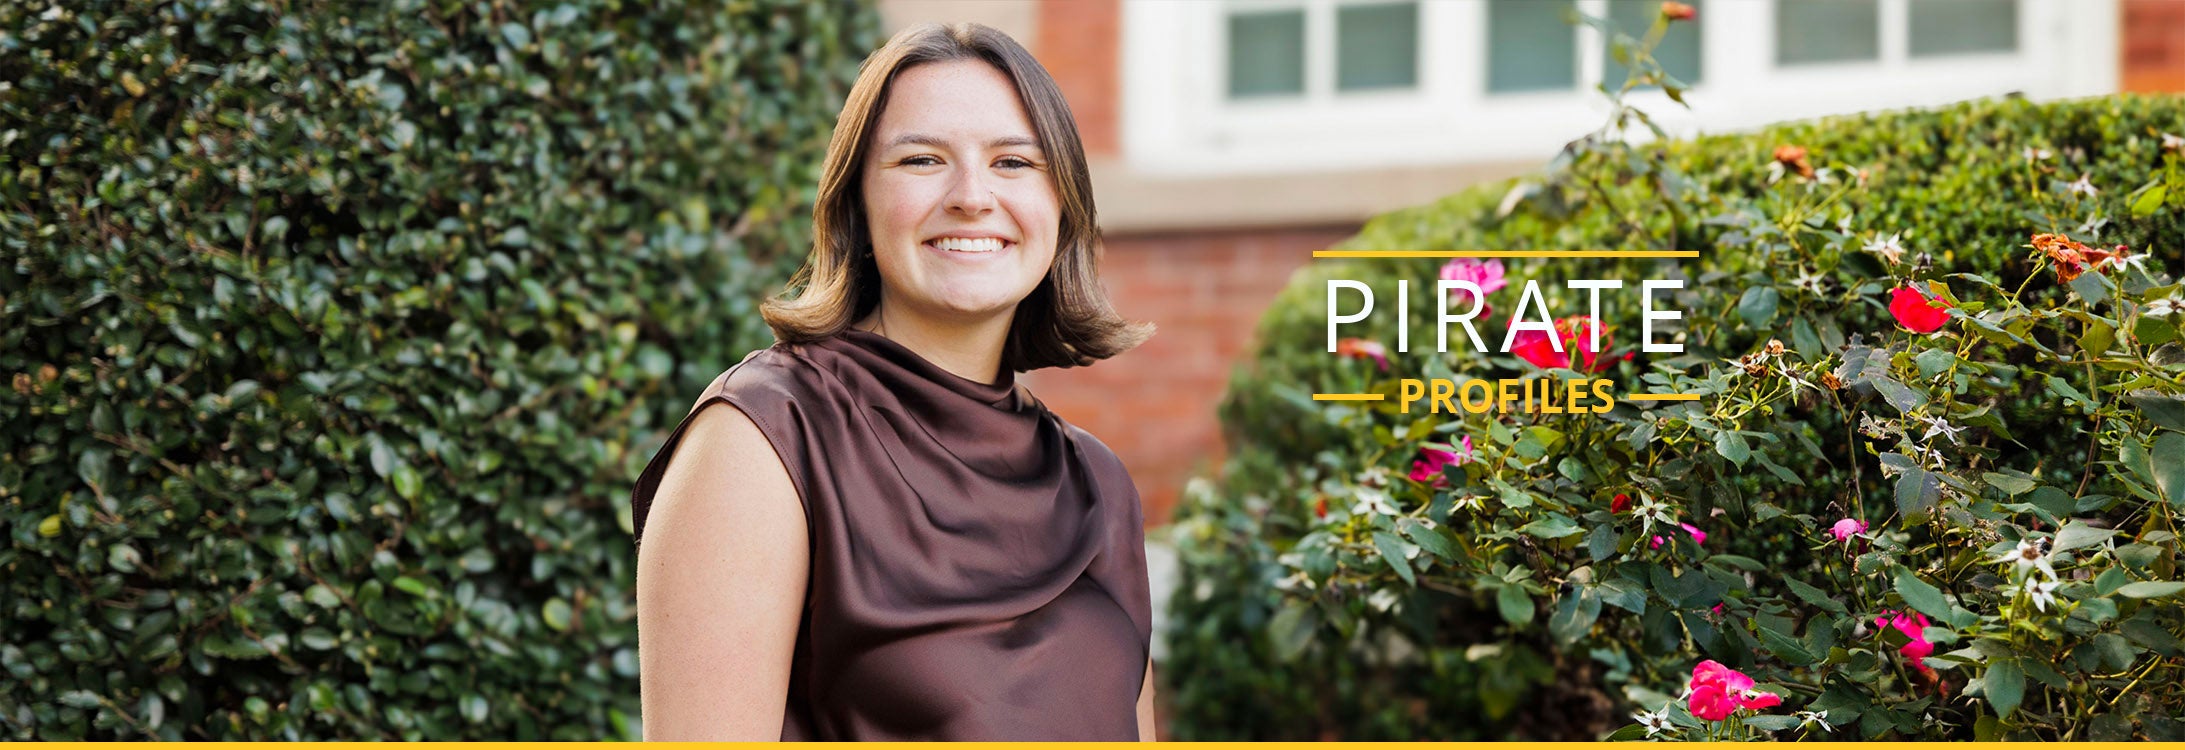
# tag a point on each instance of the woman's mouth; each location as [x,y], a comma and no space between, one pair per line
[969,245]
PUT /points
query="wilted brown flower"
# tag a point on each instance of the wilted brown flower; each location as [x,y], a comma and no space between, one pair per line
[1794,159]
[2073,258]
[1831,382]
[1775,347]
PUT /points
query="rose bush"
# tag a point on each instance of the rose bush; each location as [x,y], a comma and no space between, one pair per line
[1930,488]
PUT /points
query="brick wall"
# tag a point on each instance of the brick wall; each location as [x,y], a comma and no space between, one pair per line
[2153,45]
[1155,404]
[1078,42]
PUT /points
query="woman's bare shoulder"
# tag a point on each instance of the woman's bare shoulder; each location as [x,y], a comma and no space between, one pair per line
[725,459]
[721,578]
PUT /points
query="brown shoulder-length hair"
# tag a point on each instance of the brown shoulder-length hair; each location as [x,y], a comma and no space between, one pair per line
[1065,322]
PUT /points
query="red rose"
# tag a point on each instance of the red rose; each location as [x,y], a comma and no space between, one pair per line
[1918,312]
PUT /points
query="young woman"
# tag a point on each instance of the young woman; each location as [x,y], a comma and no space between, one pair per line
[869,531]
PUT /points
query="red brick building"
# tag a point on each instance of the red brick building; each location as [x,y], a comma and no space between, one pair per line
[1231,138]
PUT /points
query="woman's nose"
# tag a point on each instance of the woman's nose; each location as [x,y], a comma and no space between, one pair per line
[970,195]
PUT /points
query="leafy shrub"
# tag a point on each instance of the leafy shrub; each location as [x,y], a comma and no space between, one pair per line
[1336,582]
[335,334]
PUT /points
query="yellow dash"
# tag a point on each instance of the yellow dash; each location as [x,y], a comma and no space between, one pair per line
[1662,397]
[1505,253]
[1349,396]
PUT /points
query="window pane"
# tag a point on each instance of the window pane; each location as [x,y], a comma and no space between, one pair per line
[1679,49]
[1820,31]
[1267,53]
[1529,46]
[1377,46]
[1955,27]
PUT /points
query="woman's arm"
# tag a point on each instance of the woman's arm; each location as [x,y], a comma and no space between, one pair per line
[720,586]
[1145,706]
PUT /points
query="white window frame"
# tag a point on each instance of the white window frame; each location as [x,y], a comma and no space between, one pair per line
[1178,120]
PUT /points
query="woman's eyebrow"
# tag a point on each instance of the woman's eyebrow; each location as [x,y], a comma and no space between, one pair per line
[921,139]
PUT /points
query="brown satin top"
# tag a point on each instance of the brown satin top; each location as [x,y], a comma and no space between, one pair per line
[977,565]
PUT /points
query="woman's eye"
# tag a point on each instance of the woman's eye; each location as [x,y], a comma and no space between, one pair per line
[921,161]
[1012,163]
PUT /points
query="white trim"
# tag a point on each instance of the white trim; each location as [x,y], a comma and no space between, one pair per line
[1178,122]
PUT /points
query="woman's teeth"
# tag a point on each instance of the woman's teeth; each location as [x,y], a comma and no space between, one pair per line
[963,245]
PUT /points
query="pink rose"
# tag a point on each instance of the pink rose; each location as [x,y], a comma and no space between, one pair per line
[1847,528]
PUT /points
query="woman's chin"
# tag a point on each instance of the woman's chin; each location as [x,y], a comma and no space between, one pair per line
[972,305]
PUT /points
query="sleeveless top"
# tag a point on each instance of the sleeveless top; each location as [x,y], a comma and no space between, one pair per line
[977,567]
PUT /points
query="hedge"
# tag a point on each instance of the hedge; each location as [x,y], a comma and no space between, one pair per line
[1324,594]
[335,335]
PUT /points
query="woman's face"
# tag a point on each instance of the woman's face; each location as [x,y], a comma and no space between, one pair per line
[964,216]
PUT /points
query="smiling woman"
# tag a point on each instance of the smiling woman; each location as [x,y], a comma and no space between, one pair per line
[885,537]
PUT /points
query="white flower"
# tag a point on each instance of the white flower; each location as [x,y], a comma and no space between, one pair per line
[2043,591]
[1372,501]
[2134,260]
[2172,143]
[2084,186]
[1935,426]
[1651,510]
[2037,154]
[1468,501]
[2028,554]
[1655,722]
[2163,308]
[1888,248]
[1808,718]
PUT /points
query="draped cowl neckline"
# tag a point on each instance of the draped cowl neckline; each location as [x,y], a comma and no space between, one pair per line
[977,564]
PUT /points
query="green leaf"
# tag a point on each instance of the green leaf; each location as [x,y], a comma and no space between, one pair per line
[1757,306]
[1934,362]
[2167,459]
[1814,596]
[1574,615]
[517,35]
[1515,604]
[2109,581]
[1434,542]
[2149,200]
[1292,629]
[406,482]
[2151,589]
[2005,685]
[473,707]
[1786,648]
[1918,491]
[1392,552]
[1601,542]
[413,587]
[1905,399]
[2077,534]
[1922,596]
[2010,485]
[556,612]
[2092,287]
[1551,526]
[2163,410]
[1732,446]
[1773,722]
[1625,595]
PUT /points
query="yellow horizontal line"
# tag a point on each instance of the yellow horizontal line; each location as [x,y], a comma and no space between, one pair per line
[1662,397]
[1505,253]
[1349,396]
